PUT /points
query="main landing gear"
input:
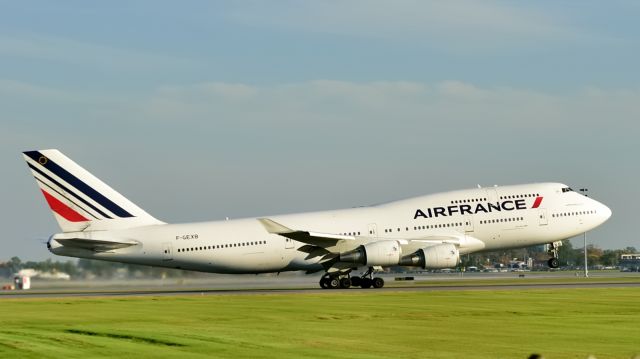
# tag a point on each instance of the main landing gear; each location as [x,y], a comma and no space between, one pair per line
[345,280]
[553,252]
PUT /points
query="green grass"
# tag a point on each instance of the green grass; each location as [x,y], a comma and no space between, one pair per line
[515,280]
[560,323]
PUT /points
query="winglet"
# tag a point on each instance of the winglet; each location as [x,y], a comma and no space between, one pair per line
[274,227]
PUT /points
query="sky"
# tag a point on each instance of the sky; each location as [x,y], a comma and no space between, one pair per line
[203,110]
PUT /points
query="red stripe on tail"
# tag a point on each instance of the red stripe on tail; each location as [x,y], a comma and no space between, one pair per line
[537,202]
[62,209]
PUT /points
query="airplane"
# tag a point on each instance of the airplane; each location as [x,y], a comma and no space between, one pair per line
[426,232]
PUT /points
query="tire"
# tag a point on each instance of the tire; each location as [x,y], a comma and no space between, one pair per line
[324,283]
[334,283]
[553,262]
[378,282]
[355,281]
[366,283]
[345,283]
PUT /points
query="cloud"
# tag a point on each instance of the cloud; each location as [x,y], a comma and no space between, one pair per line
[27,90]
[326,103]
[330,108]
[323,102]
[458,25]
[210,89]
[68,51]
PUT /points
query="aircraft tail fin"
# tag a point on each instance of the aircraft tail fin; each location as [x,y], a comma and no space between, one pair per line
[80,201]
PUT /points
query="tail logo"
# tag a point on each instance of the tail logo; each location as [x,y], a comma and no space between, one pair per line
[73,190]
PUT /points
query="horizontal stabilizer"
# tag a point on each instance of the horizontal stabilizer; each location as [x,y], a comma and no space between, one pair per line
[93,244]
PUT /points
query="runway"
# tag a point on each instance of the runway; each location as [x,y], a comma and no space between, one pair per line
[296,288]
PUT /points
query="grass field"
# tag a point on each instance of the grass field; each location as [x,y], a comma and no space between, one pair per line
[560,323]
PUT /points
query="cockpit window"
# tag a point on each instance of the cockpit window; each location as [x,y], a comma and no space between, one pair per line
[567,189]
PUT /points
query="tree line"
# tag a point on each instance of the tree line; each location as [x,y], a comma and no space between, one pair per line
[92,268]
[568,256]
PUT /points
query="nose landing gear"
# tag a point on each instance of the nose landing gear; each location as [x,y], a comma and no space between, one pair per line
[553,252]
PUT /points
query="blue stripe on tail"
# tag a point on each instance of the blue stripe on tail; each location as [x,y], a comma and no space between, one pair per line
[78,184]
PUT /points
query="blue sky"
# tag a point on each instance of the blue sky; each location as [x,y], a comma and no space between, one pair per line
[202,110]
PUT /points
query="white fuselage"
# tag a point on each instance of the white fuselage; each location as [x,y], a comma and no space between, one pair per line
[499,217]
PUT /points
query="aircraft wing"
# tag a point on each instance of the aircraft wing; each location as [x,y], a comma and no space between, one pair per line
[314,238]
[336,243]
[94,244]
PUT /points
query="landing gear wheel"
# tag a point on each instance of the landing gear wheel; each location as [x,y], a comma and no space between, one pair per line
[366,283]
[553,252]
[378,282]
[355,281]
[324,283]
[334,283]
[345,283]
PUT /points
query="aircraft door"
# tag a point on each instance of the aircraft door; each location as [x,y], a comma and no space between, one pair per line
[468,224]
[167,251]
[372,231]
[492,196]
[288,243]
[542,217]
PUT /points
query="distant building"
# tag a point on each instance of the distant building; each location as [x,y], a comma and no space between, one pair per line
[630,262]
[516,265]
[22,282]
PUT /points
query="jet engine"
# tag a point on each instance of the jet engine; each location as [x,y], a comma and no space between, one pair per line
[444,255]
[381,253]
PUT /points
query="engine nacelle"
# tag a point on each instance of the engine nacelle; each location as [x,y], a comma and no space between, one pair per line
[444,255]
[381,253]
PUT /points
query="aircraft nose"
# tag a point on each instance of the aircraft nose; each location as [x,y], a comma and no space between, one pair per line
[604,212]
